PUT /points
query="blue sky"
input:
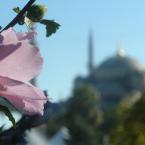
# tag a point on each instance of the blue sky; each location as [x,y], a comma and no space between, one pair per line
[65,53]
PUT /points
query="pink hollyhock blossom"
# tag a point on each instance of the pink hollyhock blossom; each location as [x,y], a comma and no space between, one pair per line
[19,63]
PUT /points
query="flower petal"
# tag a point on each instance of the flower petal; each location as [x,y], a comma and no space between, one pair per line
[25,97]
[19,63]
[8,49]
[9,36]
[23,36]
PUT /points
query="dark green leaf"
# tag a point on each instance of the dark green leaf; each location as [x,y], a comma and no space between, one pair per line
[21,20]
[51,26]
[7,112]
[1,128]
[17,10]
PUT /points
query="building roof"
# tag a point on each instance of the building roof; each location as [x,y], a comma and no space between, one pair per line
[121,62]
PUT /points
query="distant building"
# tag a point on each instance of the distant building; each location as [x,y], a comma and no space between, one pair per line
[115,78]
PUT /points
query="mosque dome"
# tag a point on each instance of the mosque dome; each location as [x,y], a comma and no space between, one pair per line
[117,77]
[119,62]
[119,66]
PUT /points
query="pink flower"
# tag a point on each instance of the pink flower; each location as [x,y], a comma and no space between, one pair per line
[19,63]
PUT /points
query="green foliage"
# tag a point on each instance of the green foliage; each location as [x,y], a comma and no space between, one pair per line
[109,121]
[1,128]
[36,12]
[17,10]
[7,112]
[131,127]
[51,26]
[82,117]
[21,20]
[54,124]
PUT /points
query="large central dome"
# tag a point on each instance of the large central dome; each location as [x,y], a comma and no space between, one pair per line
[121,62]
[117,77]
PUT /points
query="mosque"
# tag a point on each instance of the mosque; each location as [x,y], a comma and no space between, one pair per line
[115,78]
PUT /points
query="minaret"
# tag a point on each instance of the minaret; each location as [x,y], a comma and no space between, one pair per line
[90,53]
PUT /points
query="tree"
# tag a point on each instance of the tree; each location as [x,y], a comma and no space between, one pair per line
[130,129]
[82,117]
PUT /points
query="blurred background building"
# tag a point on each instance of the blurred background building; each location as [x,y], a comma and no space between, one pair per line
[116,78]
[119,78]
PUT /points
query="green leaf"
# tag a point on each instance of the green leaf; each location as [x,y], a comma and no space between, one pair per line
[51,26]
[7,112]
[21,20]
[17,10]
[1,128]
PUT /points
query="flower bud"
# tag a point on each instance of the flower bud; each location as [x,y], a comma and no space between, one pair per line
[36,12]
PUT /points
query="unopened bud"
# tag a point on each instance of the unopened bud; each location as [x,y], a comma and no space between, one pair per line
[36,12]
